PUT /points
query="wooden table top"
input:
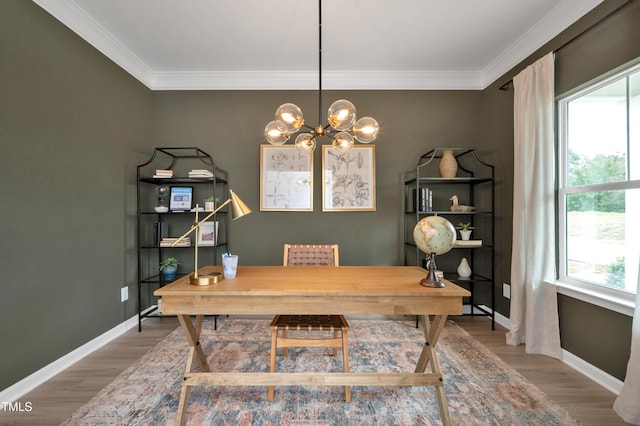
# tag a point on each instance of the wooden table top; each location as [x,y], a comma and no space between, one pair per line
[314,289]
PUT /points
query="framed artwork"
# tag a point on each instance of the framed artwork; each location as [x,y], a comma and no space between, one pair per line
[286,179]
[208,233]
[181,198]
[349,179]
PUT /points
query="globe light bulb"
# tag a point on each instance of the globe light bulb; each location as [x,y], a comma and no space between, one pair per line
[291,115]
[276,132]
[305,143]
[342,115]
[343,142]
[366,129]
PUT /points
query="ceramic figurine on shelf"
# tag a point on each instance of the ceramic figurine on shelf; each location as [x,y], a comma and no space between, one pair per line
[455,207]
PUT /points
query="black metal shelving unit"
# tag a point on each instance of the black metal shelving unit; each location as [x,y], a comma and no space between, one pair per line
[180,160]
[474,185]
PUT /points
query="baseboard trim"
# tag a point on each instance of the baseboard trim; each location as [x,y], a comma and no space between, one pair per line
[26,385]
[601,377]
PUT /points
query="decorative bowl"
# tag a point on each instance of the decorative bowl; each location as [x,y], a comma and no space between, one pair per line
[161,209]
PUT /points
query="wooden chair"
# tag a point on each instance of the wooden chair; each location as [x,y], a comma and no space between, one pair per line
[310,255]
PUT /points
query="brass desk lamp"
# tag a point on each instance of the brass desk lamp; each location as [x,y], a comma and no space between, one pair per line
[238,209]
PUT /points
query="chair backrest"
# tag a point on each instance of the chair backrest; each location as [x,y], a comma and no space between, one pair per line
[311,255]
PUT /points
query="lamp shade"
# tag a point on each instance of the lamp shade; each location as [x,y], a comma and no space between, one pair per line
[238,207]
[291,115]
[342,115]
[305,143]
[343,142]
[366,129]
[276,132]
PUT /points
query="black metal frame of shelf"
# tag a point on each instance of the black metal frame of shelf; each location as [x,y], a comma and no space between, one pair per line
[168,158]
[473,178]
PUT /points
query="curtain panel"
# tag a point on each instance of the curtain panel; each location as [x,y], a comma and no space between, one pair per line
[533,316]
[627,404]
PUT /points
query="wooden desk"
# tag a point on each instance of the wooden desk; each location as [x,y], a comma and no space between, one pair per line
[347,290]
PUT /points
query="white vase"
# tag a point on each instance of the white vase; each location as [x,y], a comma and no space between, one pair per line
[464,270]
[209,206]
[465,235]
[448,165]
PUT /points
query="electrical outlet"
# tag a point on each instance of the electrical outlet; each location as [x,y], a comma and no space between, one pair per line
[506,291]
[124,294]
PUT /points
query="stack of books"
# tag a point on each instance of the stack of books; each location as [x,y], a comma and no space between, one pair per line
[163,174]
[468,243]
[168,242]
[200,173]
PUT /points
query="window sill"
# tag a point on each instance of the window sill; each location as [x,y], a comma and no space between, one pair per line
[623,303]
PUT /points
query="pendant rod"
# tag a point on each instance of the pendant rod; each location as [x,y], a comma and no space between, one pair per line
[319,62]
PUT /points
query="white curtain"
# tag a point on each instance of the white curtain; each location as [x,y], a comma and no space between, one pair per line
[627,405]
[533,316]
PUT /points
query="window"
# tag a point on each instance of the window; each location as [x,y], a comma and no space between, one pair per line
[599,186]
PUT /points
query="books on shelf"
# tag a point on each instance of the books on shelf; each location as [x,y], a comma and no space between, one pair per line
[195,173]
[468,243]
[425,199]
[168,242]
[163,174]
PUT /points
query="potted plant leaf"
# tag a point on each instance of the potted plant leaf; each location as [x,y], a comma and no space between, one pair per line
[465,230]
[169,268]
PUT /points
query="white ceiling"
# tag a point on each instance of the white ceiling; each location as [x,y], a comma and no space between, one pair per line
[273,44]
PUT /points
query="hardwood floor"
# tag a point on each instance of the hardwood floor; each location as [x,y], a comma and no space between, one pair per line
[55,401]
[584,399]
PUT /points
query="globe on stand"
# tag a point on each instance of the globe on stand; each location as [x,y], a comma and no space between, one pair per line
[434,235]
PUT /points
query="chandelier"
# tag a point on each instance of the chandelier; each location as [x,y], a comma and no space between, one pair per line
[341,116]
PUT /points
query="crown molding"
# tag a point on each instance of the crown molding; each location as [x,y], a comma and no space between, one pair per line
[287,80]
[557,20]
[77,20]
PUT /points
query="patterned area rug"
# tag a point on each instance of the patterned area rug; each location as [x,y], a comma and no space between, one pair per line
[481,389]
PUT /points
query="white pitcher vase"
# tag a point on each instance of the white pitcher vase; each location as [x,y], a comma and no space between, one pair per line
[464,270]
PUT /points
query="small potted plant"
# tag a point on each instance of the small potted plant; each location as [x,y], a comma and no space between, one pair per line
[168,268]
[210,203]
[465,230]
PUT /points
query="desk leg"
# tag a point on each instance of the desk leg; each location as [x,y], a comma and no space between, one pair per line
[431,334]
[196,354]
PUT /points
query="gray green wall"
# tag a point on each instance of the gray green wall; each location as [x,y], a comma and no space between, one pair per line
[74,126]
[230,126]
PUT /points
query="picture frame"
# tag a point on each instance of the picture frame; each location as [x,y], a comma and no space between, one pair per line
[349,179]
[208,233]
[181,198]
[286,179]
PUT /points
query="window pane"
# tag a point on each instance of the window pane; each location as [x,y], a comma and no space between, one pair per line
[601,245]
[634,126]
[597,136]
